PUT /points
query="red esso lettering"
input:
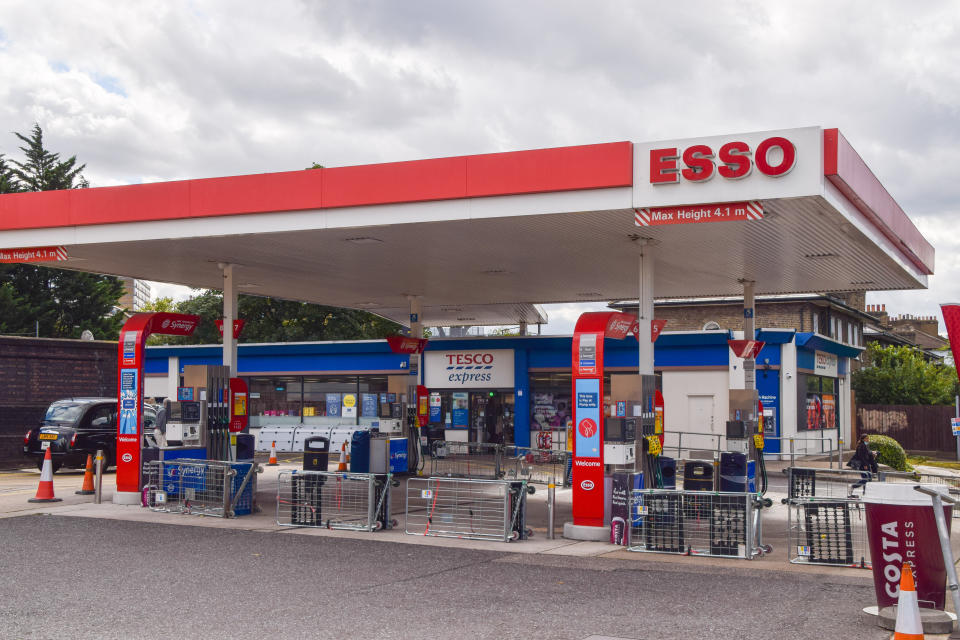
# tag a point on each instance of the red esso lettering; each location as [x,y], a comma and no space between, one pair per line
[774,157]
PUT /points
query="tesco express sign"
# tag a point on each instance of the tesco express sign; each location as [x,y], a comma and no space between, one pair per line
[471,369]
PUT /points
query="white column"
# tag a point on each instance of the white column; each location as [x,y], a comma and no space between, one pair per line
[229,315]
[749,333]
[645,311]
[173,376]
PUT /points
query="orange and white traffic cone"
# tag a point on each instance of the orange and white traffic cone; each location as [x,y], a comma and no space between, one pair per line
[45,490]
[908,626]
[87,488]
[272,462]
[342,464]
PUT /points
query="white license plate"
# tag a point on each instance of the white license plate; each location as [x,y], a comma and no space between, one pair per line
[44,445]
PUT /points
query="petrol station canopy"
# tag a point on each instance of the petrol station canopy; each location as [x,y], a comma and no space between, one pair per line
[484,239]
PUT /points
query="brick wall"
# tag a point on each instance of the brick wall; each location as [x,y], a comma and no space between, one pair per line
[788,315]
[36,371]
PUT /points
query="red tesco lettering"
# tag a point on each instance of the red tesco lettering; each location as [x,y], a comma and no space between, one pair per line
[469,358]
[698,164]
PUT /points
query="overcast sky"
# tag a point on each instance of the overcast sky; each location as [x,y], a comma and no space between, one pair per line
[166,90]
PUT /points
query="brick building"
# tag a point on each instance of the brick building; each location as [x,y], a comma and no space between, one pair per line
[36,371]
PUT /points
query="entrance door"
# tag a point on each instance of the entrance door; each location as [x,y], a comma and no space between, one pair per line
[700,414]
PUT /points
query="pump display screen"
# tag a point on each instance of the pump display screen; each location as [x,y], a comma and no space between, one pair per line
[190,411]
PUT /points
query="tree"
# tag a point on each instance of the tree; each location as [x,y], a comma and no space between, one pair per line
[275,320]
[53,302]
[901,375]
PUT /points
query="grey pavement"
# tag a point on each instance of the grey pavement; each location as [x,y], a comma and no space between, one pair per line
[91,577]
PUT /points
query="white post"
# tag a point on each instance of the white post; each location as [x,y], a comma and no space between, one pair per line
[645,310]
[229,315]
[749,333]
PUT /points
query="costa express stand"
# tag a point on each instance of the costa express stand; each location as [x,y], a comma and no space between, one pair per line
[133,338]
[588,394]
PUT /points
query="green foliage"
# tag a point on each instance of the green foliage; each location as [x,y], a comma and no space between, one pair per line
[273,320]
[889,452]
[55,302]
[43,170]
[901,375]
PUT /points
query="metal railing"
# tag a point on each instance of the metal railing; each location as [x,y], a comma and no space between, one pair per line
[537,466]
[827,531]
[200,487]
[468,508]
[697,446]
[466,460]
[836,454]
[334,500]
[810,482]
[726,525]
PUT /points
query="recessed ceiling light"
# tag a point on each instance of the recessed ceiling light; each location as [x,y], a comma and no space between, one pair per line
[367,305]
[496,272]
[451,309]
[589,294]
[364,240]
[248,285]
[464,319]
[820,256]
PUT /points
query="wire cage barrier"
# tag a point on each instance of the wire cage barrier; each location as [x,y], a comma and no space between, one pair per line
[467,508]
[334,500]
[201,487]
[827,531]
[537,466]
[726,525]
[466,459]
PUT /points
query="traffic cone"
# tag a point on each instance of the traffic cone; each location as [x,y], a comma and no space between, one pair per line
[908,626]
[272,462]
[87,488]
[45,490]
[342,465]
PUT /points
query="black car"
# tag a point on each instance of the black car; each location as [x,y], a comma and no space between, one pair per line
[75,427]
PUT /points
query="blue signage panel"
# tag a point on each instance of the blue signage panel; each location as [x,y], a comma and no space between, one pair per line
[333,404]
[129,390]
[588,418]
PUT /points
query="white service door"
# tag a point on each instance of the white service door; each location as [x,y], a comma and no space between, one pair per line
[700,414]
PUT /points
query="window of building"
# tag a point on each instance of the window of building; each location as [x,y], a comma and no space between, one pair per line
[821,402]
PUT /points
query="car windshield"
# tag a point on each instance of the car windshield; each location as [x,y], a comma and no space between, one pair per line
[63,413]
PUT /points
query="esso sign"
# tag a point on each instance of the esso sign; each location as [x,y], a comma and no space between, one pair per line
[469,358]
[773,157]
[587,485]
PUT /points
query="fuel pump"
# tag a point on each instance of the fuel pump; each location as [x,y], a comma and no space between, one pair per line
[744,455]
[186,424]
[648,430]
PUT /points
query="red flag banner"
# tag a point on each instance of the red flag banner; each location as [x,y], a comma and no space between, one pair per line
[746,348]
[405,344]
[656,326]
[951,318]
[237,326]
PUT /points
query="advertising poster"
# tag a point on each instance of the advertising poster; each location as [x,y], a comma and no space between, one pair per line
[349,405]
[368,405]
[829,411]
[461,410]
[129,387]
[333,404]
[435,408]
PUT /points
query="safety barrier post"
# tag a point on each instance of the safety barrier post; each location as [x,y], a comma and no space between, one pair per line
[551,513]
[953,585]
[793,457]
[98,478]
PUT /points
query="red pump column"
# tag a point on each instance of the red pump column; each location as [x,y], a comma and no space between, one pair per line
[588,413]
[133,338]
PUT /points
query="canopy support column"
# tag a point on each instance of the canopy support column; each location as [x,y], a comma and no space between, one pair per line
[229,315]
[749,333]
[645,310]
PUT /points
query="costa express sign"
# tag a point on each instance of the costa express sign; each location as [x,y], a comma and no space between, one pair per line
[773,157]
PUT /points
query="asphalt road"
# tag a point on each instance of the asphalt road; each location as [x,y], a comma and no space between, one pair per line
[92,578]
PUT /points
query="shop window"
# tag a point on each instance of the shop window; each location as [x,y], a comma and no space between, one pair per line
[324,396]
[820,409]
[274,398]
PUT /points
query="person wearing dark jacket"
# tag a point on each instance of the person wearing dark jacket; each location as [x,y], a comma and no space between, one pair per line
[863,460]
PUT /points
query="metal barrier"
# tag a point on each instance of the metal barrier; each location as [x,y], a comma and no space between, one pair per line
[200,487]
[467,508]
[836,455]
[726,525]
[334,500]
[827,531]
[536,466]
[810,482]
[466,460]
[697,446]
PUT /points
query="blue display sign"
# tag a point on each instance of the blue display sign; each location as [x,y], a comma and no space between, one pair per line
[129,390]
[588,418]
[333,404]
[368,405]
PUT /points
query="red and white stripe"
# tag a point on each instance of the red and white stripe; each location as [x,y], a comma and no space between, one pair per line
[754,210]
[61,253]
[642,217]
